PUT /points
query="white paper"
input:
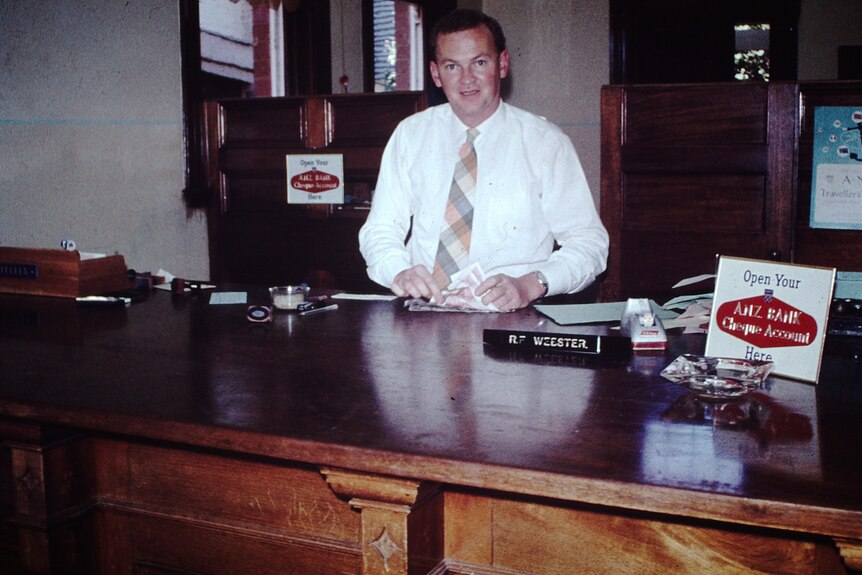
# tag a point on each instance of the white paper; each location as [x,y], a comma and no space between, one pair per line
[228,297]
[572,314]
[364,296]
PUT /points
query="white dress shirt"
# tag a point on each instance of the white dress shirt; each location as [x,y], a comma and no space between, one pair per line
[531,191]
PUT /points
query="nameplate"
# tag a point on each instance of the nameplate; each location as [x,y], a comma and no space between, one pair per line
[26,271]
[562,343]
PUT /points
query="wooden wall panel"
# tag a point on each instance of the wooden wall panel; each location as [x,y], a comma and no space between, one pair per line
[690,172]
[695,203]
[697,115]
[256,121]
[367,120]
[255,236]
[257,194]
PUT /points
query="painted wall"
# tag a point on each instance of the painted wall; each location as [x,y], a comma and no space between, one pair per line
[823,26]
[346,43]
[575,58]
[559,75]
[91,142]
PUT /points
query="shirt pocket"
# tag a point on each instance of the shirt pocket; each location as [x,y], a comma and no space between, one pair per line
[509,215]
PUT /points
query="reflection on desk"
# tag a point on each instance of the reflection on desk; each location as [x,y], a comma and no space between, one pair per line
[374,440]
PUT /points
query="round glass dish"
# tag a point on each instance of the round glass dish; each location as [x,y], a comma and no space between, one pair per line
[287,297]
[717,377]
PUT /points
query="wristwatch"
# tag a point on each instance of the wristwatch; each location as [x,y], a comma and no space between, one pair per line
[540,277]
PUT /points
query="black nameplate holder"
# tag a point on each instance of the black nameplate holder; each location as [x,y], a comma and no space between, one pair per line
[559,343]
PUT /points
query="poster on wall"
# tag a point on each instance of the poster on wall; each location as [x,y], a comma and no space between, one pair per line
[836,182]
[770,311]
[315,179]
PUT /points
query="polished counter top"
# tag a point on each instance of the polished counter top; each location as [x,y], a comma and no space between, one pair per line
[375,388]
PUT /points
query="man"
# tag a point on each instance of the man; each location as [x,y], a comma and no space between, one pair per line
[522,180]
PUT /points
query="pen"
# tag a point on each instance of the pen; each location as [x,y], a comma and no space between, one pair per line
[104,300]
[317,308]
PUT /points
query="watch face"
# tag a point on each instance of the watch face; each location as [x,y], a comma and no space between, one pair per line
[540,277]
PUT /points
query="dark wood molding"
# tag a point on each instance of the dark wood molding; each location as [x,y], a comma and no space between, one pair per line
[195,193]
[308,57]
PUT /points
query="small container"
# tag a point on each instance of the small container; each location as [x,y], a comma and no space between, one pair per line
[287,297]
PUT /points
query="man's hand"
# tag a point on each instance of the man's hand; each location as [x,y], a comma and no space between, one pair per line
[416,282]
[508,293]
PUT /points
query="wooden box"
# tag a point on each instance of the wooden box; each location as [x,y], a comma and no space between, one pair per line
[60,273]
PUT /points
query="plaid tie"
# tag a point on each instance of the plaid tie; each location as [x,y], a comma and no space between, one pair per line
[454,247]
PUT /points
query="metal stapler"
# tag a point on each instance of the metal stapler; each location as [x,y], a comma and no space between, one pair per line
[642,326]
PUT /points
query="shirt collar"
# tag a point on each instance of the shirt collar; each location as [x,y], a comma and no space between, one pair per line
[486,128]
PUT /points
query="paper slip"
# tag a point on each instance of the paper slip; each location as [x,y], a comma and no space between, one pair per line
[693,280]
[228,297]
[694,319]
[422,305]
[364,296]
[683,301]
[571,314]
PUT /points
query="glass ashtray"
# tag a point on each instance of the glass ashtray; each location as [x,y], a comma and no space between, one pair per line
[717,377]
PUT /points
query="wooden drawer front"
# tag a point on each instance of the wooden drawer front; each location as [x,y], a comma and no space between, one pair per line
[163,546]
[232,491]
[504,535]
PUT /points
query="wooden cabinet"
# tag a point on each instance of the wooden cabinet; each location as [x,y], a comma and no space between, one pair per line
[255,236]
[693,171]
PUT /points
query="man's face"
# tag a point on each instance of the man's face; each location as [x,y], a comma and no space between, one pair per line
[469,70]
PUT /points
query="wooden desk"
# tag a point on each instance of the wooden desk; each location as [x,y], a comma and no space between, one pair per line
[176,437]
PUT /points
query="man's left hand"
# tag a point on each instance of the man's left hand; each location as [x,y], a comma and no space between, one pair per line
[508,293]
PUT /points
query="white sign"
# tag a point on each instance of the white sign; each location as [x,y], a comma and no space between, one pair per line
[771,311]
[836,183]
[837,197]
[315,179]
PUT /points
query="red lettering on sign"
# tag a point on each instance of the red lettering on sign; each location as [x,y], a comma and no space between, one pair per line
[314,182]
[766,322]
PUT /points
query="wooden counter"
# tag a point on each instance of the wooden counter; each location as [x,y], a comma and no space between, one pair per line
[174,436]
